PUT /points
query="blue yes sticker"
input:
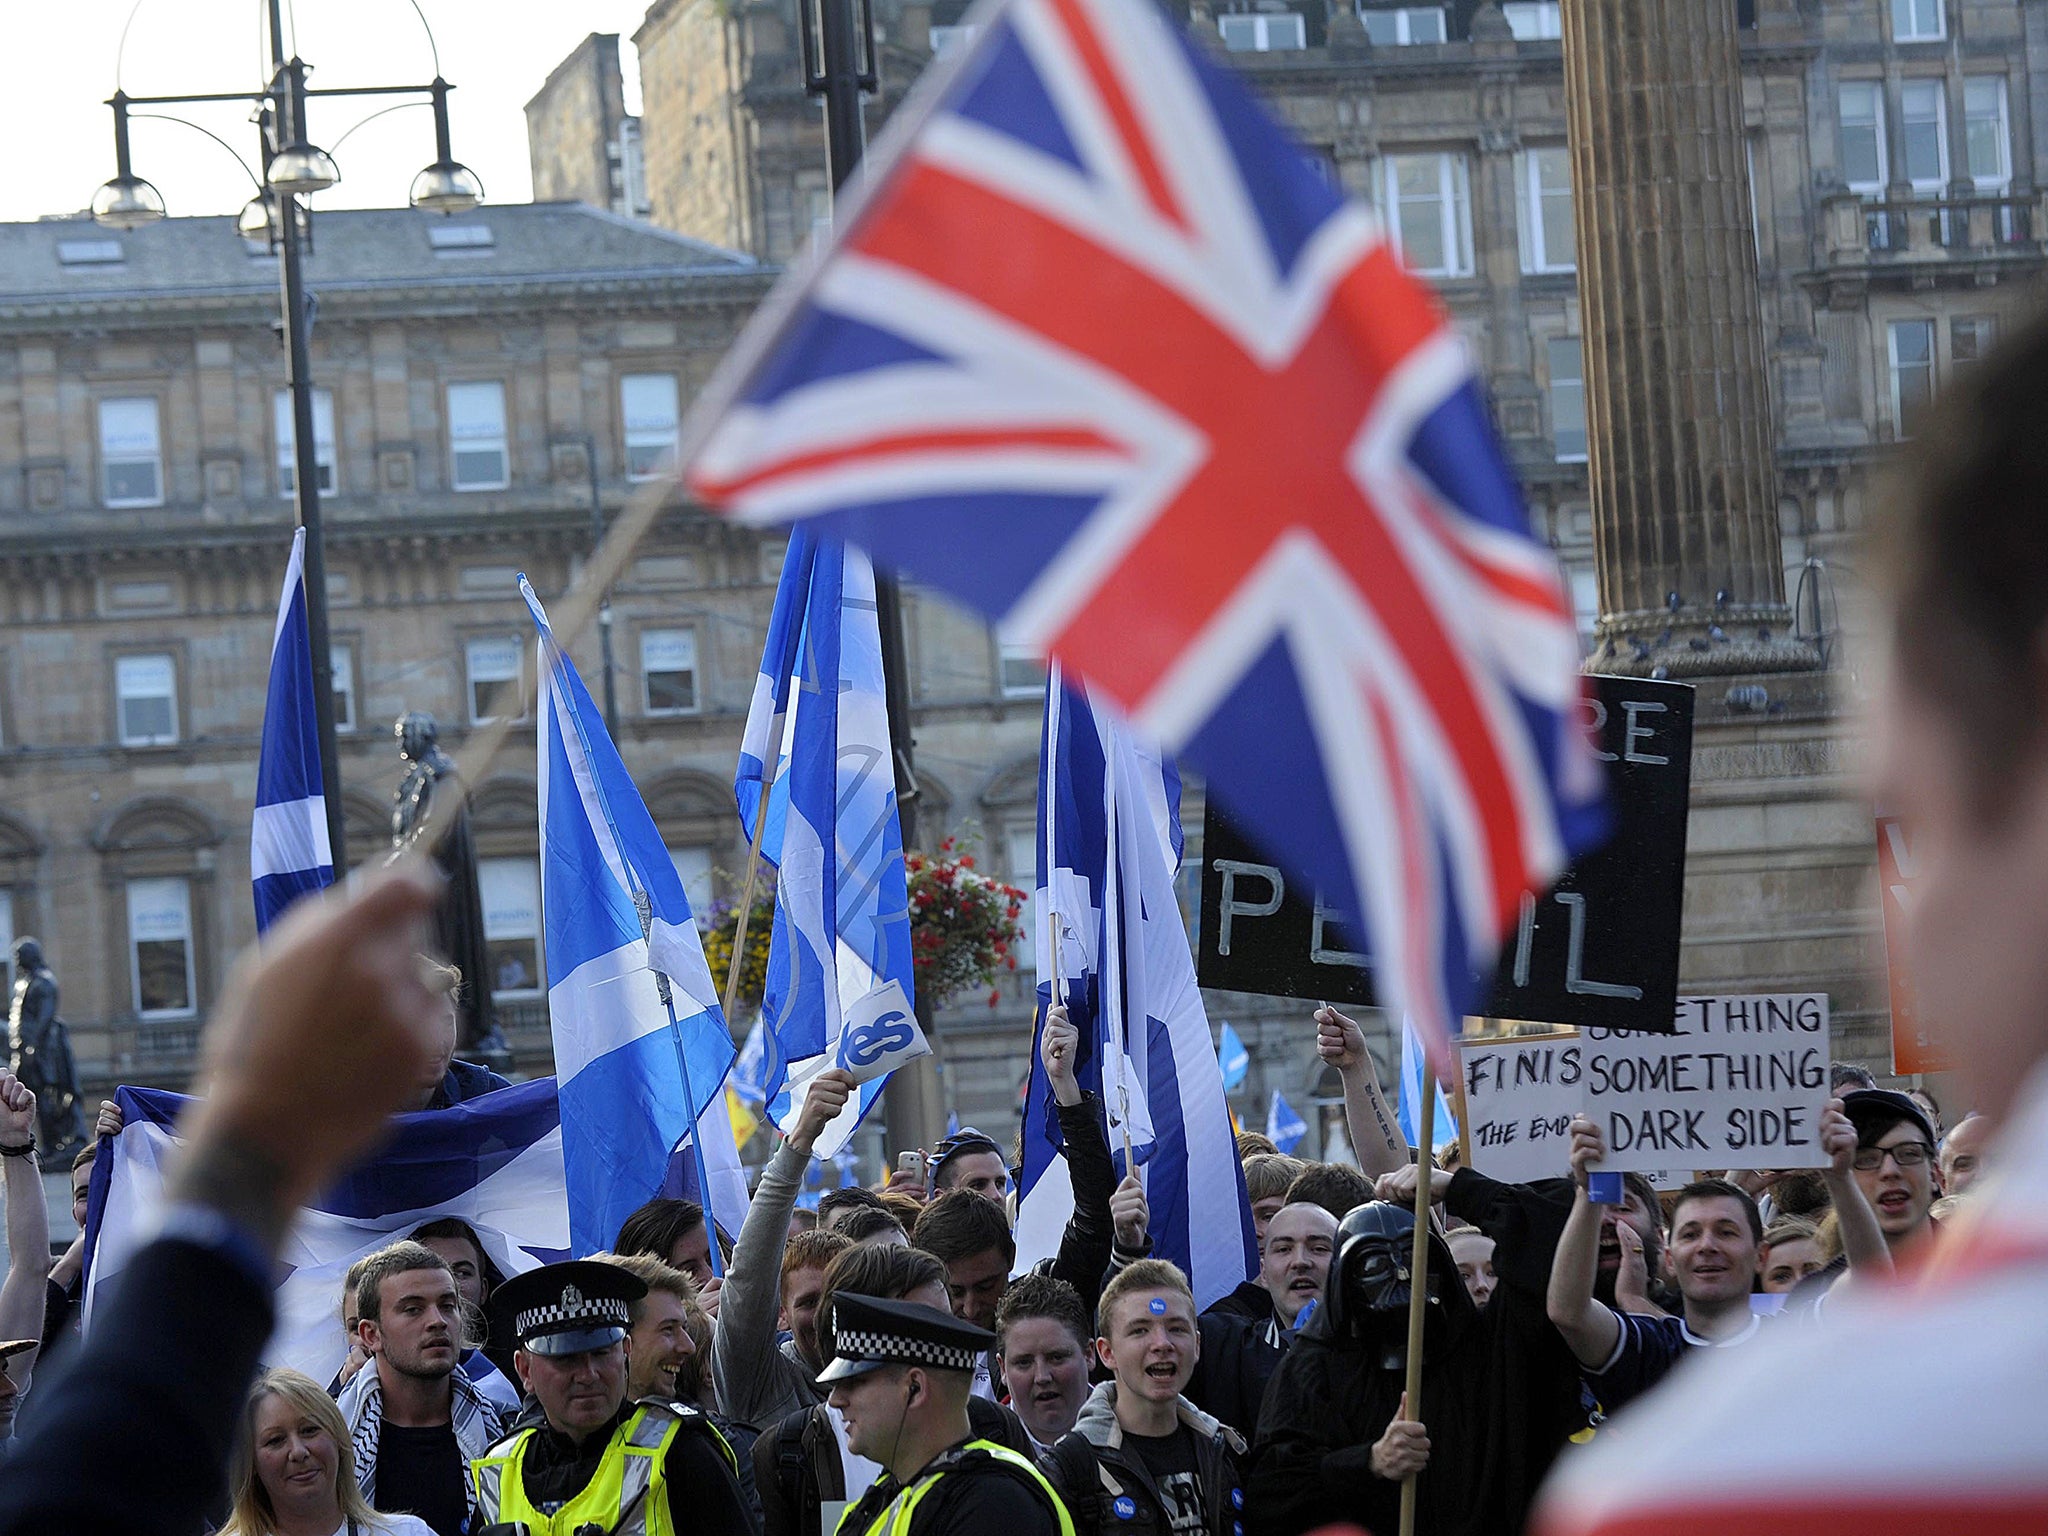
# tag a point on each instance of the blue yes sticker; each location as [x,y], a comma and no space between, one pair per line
[1157,1306]
[1237,1498]
[1125,1508]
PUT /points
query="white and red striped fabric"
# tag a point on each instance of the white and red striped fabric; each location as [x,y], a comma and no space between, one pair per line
[1918,1411]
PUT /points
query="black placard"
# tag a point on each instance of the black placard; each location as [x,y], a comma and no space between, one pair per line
[1600,950]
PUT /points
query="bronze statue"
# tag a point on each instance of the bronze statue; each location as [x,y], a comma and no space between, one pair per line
[39,1047]
[459,920]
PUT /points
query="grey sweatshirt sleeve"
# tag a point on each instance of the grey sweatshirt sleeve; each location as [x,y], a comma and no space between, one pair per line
[756,1382]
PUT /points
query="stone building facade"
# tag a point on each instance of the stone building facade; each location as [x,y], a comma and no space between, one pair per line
[583,144]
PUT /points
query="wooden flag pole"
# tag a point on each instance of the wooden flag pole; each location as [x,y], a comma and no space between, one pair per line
[739,932]
[1418,1279]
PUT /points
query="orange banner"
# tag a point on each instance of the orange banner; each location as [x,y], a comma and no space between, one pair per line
[1912,1048]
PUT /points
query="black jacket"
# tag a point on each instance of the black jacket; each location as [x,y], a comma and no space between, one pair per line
[1500,1395]
[1237,1364]
[1092,1470]
[1250,1299]
[1085,1245]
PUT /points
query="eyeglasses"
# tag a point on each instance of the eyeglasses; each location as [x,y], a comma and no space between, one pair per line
[1907,1154]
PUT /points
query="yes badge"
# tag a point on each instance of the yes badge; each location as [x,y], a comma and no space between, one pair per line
[879,1034]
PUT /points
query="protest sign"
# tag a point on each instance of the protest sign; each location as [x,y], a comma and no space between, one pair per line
[1740,1082]
[880,1034]
[1912,1049]
[1599,949]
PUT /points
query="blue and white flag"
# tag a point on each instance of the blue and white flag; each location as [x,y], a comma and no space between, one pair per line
[1408,1110]
[1284,1127]
[1233,1058]
[1112,947]
[494,1161]
[842,917]
[641,1047]
[289,854]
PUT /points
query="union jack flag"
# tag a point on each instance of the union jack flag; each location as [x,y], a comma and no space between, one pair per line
[1102,354]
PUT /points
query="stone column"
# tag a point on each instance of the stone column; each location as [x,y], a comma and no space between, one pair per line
[1683,471]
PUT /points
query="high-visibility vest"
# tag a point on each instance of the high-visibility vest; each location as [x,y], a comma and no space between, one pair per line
[894,1520]
[627,1495]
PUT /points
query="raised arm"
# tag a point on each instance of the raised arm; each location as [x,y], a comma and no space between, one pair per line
[1590,1328]
[1085,1246]
[1863,1241]
[28,1221]
[1375,1138]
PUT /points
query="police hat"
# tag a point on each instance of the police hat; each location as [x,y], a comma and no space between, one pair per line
[568,1308]
[869,1332]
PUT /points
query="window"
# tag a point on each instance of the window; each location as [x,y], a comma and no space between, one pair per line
[476,437]
[668,671]
[1923,116]
[1409,24]
[945,39]
[700,881]
[647,402]
[1273,32]
[1020,848]
[1970,339]
[344,686]
[323,442]
[1545,198]
[1429,203]
[1568,399]
[1916,21]
[1987,138]
[1861,110]
[147,690]
[7,941]
[1534,21]
[493,678]
[160,948]
[131,453]
[1019,672]
[510,892]
[773,553]
[1583,582]
[1912,356]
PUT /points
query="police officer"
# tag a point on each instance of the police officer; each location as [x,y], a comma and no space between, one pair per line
[899,1377]
[590,1460]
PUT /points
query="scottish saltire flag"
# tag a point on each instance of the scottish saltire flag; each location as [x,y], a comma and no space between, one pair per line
[842,913]
[1284,1127]
[494,1161]
[641,1047]
[1408,1109]
[289,854]
[1234,1060]
[1101,353]
[1109,846]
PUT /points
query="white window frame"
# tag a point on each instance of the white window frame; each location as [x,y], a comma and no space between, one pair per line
[1892,330]
[1868,189]
[1911,11]
[1268,31]
[1020,672]
[1536,254]
[495,878]
[1551,351]
[495,675]
[1453,202]
[343,657]
[1937,92]
[2000,183]
[323,442]
[1984,346]
[1404,19]
[128,679]
[127,456]
[1534,21]
[651,423]
[479,438]
[161,887]
[697,867]
[649,640]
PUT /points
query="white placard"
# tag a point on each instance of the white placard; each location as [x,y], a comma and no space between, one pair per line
[880,1035]
[1741,1084]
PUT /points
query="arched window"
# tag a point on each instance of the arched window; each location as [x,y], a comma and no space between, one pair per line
[21,855]
[158,859]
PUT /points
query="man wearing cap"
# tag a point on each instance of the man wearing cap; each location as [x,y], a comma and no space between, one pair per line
[899,1377]
[596,1459]
[1894,1165]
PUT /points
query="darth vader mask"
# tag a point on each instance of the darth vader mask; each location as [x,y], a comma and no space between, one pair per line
[1372,1279]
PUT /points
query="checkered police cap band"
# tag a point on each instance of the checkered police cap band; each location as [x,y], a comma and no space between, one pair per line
[574,1310]
[867,1344]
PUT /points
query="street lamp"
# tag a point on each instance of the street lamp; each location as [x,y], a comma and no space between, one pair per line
[294,167]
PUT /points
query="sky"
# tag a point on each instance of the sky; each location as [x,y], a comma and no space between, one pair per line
[64,56]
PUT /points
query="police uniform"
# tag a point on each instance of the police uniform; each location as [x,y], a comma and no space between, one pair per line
[973,1488]
[633,1475]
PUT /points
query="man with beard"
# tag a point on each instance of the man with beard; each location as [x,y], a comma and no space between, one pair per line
[1500,1392]
[414,1418]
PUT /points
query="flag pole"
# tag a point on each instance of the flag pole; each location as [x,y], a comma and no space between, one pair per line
[739,932]
[1418,1277]
[1054,692]
[1113,967]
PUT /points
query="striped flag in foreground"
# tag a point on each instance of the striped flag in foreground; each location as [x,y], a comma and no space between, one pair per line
[1109,844]
[495,1161]
[289,855]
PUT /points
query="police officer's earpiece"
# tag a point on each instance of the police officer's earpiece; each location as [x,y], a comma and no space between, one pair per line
[916,1391]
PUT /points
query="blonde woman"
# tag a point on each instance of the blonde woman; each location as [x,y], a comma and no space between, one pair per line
[294,1475]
